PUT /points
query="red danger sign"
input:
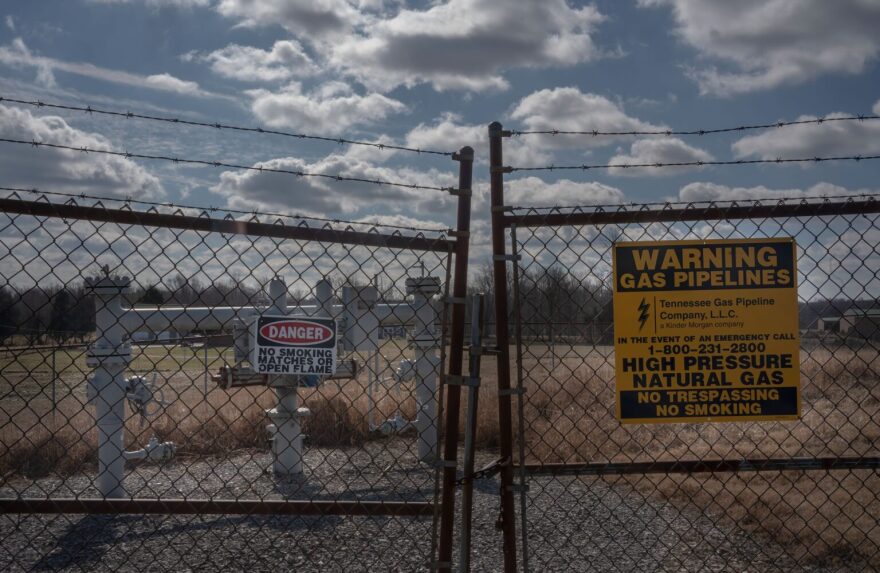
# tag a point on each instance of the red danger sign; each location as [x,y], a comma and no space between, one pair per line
[297,332]
[293,345]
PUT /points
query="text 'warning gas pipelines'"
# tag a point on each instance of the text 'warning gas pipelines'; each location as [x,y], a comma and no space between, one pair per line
[706,330]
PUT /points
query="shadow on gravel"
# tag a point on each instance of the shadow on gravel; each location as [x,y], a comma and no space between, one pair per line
[301,489]
[85,542]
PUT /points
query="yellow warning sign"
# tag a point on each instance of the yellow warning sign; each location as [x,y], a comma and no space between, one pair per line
[706,330]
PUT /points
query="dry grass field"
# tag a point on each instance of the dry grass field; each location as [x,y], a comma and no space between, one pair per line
[821,516]
[37,440]
[568,417]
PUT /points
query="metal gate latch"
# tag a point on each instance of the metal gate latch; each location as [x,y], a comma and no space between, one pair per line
[486,472]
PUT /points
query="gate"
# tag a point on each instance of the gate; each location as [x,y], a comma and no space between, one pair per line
[137,431]
[597,495]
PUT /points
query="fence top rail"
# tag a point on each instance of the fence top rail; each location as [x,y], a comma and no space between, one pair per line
[108,506]
[636,213]
[178,220]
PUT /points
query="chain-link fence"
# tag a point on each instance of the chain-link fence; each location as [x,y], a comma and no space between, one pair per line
[732,496]
[173,394]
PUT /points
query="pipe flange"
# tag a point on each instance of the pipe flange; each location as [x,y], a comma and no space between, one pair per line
[290,381]
[423,285]
[108,355]
[424,341]
[283,415]
[107,285]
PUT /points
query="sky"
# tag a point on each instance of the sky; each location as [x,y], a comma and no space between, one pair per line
[433,75]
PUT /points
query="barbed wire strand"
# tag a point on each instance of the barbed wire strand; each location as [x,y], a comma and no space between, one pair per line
[217,125]
[778,160]
[206,163]
[756,126]
[212,209]
[728,202]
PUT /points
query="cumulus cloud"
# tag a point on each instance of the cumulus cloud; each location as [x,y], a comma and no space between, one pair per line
[402,221]
[876,108]
[69,171]
[454,45]
[10,22]
[17,55]
[768,43]
[830,138]
[158,3]
[330,108]
[467,44]
[285,60]
[705,191]
[535,192]
[448,132]
[658,150]
[319,196]
[305,18]
[569,109]
[565,108]
[167,82]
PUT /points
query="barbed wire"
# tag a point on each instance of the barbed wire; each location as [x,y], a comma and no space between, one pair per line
[778,124]
[709,202]
[778,160]
[206,163]
[217,125]
[212,209]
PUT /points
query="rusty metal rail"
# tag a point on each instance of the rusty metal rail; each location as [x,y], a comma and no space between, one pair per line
[214,506]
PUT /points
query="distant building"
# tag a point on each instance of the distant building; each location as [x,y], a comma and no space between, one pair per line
[829,324]
[394,331]
[861,323]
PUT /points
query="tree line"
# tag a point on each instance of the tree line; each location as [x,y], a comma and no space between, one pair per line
[66,313]
[554,304]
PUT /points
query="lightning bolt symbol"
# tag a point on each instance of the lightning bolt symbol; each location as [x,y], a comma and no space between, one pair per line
[643,314]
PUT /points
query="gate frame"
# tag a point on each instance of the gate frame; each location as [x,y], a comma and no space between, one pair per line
[456,245]
[502,221]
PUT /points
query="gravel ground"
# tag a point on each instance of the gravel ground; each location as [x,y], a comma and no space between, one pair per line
[574,524]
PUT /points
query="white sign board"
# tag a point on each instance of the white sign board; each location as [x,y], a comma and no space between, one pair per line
[294,345]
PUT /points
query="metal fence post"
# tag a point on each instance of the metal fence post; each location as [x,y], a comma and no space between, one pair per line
[207,368]
[470,432]
[456,348]
[502,335]
[54,383]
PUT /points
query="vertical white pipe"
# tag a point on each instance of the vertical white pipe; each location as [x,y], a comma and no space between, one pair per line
[324,298]
[110,358]
[240,343]
[427,362]
[288,439]
[206,364]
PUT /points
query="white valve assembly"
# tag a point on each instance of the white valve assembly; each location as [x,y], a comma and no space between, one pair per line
[142,396]
[147,400]
[154,451]
[359,316]
[108,389]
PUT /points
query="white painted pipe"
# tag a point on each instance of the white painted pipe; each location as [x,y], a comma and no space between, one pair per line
[324,298]
[287,443]
[110,357]
[427,362]
[186,319]
[154,451]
